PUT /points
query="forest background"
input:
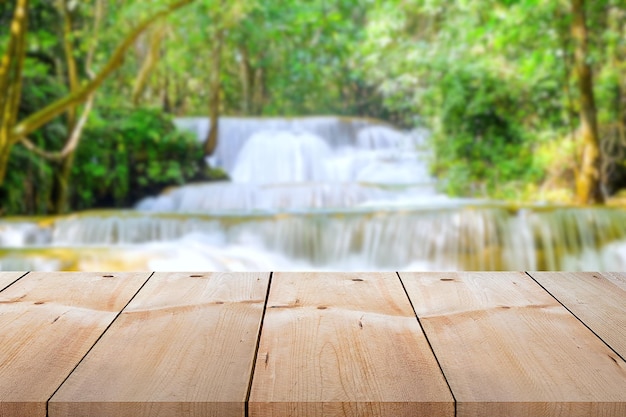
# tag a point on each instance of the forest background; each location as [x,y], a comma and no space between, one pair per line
[525,99]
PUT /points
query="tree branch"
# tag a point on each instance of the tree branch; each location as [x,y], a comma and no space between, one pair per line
[53,110]
[72,142]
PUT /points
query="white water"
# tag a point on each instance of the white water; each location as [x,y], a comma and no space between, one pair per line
[318,193]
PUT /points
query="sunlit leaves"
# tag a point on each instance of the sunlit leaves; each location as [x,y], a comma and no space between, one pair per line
[499,68]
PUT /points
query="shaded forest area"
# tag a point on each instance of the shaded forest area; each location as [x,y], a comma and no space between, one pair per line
[525,99]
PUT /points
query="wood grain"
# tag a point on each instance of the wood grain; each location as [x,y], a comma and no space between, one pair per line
[48,322]
[595,298]
[7,278]
[617,278]
[183,347]
[508,348]
[339,344]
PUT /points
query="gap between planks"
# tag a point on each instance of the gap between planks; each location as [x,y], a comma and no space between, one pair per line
[429,343]
[256,350]
[577,299]
[9,278]
[97,340]
[189,343]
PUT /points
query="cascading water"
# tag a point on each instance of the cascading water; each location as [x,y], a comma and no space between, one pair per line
[318,193]
[282,157]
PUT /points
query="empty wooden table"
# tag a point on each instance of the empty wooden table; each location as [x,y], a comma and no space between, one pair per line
[312,344]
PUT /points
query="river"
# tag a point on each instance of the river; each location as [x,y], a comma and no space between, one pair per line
[318,193]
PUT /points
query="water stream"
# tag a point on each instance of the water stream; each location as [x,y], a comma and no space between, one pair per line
[322,193]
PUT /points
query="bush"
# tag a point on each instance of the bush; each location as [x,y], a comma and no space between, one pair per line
[128,154]
[479,142]
[124,155]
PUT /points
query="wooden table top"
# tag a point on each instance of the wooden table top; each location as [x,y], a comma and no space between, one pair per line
[278,344]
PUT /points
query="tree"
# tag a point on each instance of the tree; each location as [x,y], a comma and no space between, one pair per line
[150,62]
[205,31]
[11,76]
[588,183]
[281,57]
[11,68]
[219,33]
[494,80]
[75,125]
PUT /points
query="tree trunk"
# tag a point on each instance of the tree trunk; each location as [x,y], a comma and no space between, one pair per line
[166,101]
[259,92]
[68,48]
[5,151]
[61,204]
[180,97]
[11,81]
[60,189]
[149,63]
[210,142]
[588,183]
[247,81]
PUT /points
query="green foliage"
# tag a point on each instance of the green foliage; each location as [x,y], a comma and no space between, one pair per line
[299,55]
[28,187]
[490,78]
[127,154]
[124,153]
[479,142]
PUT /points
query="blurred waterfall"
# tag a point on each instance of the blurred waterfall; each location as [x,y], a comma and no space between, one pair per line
[322,193]
[448,238]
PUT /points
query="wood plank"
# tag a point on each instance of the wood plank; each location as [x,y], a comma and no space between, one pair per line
[8,278]
[595,298]
[183,347]
[340,344]
[48,322]
[508,348]
[617,278]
